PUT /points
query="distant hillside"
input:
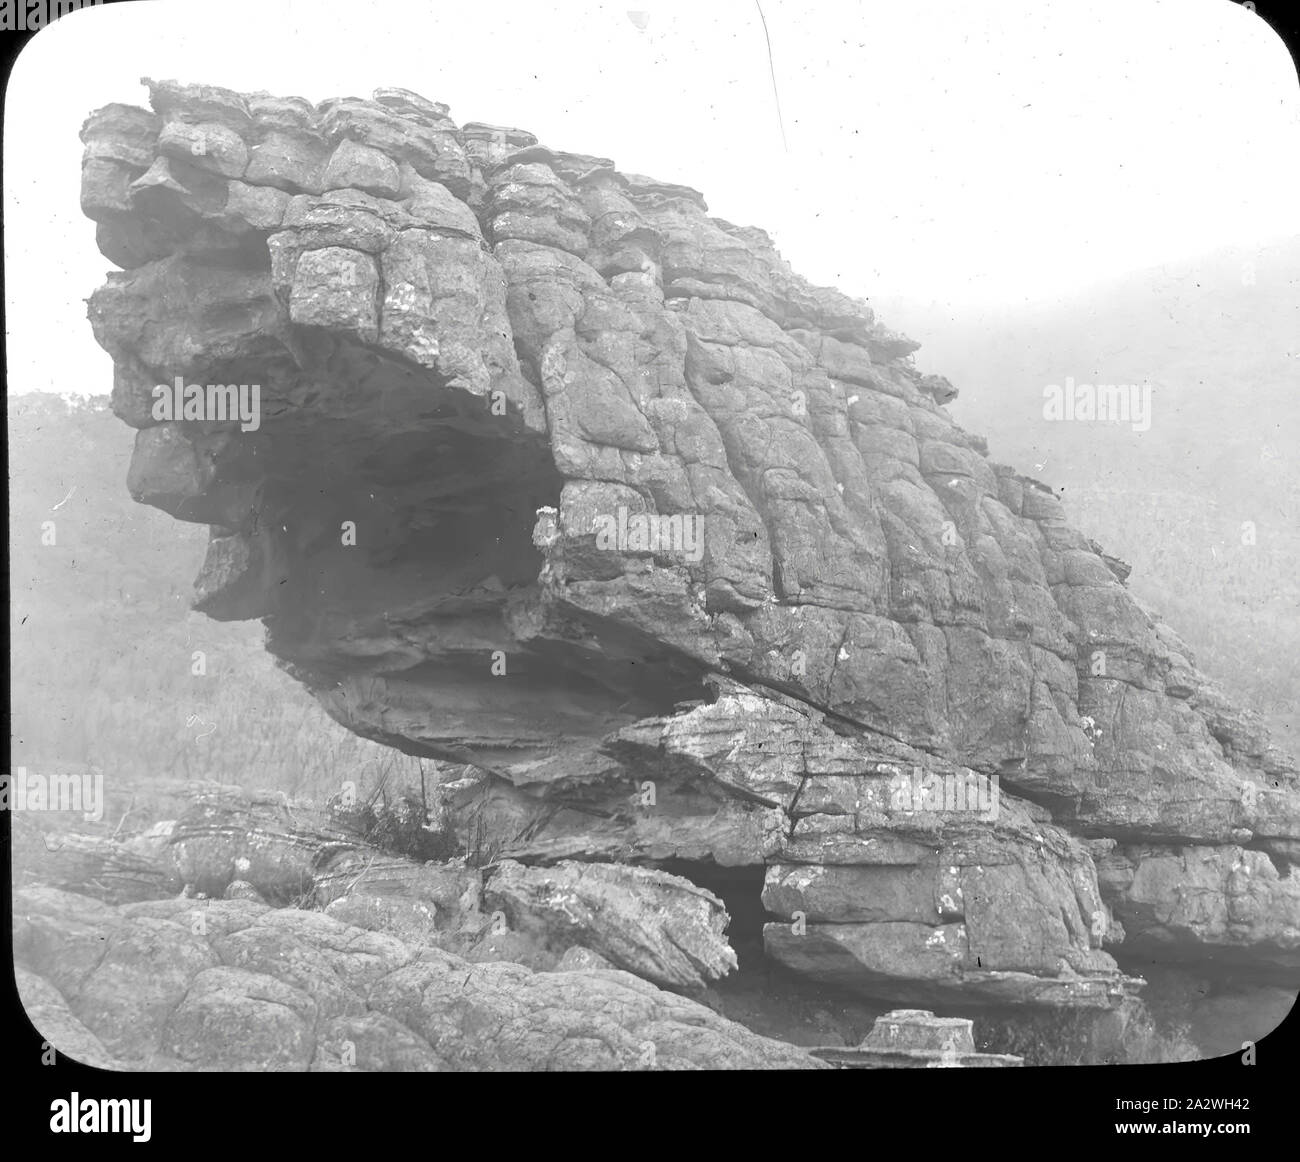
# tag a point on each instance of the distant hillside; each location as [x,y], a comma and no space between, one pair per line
[1219,341]
[103,641]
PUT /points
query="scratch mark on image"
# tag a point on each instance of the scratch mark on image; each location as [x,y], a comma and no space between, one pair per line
[772,69]
[193,718]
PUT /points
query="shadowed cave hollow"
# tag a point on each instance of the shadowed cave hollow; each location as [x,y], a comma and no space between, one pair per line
[741,891]
[395,626]
[760,994]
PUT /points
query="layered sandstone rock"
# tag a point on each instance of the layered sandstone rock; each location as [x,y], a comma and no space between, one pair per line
[234,844]
[216,985]
[559,476]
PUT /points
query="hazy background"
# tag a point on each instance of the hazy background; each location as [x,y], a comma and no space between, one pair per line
[1033,190]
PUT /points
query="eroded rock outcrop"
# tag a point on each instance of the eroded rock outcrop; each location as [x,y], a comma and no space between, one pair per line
[238,845]
[559,477]
[232,984]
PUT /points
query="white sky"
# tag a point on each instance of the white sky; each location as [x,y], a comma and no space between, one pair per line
[970,151]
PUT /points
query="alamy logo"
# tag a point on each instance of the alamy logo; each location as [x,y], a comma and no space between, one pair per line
[89,1115]
[1115,403]
[32,15]
[215,402]
[26,790]
[960,791]
[651,532]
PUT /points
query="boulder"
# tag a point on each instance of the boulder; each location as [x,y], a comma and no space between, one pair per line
[656,925]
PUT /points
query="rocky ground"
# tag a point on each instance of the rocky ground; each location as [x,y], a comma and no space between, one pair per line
[484,364]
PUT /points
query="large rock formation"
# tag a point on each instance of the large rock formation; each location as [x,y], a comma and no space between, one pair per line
[559,477]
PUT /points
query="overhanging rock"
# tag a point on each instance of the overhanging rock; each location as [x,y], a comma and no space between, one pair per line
[559,477]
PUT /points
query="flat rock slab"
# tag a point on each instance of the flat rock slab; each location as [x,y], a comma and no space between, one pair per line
[916,1039]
